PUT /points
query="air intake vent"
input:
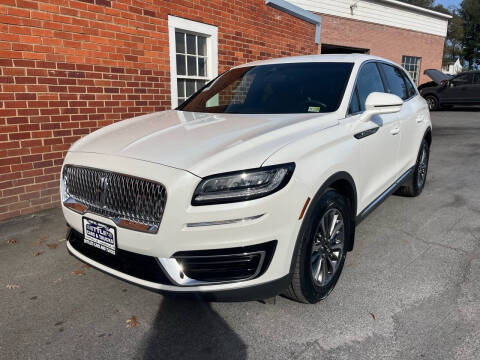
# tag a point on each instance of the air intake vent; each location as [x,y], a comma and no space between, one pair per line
[226,265]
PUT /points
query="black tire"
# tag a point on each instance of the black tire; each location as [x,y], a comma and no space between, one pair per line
[303,287]
[415,184]
[433,103]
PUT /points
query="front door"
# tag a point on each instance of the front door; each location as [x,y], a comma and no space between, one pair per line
[412,116]
[378,147]
[377,141]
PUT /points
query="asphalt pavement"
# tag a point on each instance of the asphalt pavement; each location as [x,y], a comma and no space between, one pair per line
[409,290]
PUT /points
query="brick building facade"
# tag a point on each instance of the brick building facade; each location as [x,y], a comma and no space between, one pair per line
[69,67]
[385,41]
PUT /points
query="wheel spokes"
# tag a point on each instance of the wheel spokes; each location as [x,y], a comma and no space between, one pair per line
[327,247]
[333,258]
[332,223]
[422,168]
[336,246]
[336,226]
[324,272]
[318,268]
[323,227]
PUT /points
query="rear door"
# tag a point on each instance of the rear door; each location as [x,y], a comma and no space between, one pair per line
[377,141]
[411,117]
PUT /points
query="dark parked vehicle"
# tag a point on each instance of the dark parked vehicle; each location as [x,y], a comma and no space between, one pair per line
[445,91]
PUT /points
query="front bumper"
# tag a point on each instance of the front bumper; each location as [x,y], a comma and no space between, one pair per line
[186,228]
[147,272]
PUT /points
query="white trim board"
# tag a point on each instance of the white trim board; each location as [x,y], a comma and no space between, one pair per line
[210,31]
[383,12]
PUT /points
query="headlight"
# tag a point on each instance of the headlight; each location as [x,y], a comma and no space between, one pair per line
[242,185]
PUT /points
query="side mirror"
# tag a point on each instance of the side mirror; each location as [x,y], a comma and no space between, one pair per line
[381,103]
[444,83]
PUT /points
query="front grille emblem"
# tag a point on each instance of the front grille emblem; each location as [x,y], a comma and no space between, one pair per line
[101,191]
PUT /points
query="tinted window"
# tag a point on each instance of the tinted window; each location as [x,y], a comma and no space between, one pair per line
[410,88]
[462,79]
[274,89]
[395,81]
[354,106]
[476,78]
[368,81]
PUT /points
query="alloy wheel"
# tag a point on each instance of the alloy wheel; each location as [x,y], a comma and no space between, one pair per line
[432,103]
[422,167]
[327,247]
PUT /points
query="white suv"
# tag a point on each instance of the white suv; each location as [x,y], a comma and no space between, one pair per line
[254,185]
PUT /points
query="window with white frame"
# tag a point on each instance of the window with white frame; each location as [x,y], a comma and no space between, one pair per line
[193,56]
[412,65]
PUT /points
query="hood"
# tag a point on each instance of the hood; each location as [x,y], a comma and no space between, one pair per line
[437,75]
[202,143]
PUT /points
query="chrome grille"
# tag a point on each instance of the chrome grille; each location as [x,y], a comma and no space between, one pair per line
[115,195]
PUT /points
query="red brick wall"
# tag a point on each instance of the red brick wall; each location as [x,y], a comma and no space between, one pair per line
[384,41]
[69,67]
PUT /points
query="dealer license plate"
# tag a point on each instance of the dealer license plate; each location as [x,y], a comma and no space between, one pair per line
[100,235]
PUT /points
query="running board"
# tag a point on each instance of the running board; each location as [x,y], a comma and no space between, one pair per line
[375,203]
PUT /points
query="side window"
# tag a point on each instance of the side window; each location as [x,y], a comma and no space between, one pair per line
[410,87]
[354,103]
[395,81]
[463,79]
[476,79]
[368,81]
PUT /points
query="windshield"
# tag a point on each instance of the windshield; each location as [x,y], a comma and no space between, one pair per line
[315,87]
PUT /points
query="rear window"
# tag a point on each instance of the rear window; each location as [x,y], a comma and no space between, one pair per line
[316,87]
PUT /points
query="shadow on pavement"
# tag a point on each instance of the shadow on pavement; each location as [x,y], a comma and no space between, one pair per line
[188,329]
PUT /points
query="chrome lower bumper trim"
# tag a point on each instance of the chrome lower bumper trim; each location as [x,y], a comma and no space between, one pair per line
[174,271]
[224,222]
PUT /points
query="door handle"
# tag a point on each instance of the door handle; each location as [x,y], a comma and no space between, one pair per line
[365,133]
[395,130]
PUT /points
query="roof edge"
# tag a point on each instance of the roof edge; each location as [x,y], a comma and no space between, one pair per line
[417,8]
[298,12]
